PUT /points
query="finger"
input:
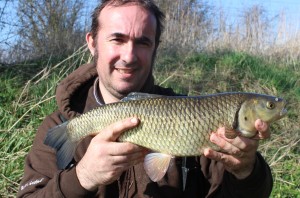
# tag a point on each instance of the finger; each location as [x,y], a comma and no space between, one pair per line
[220,157]
[242,143]
[237,142]
[261,126]
[240,167]
[226,146]
[127,160]
[113,131]
[263,130]
[124,148]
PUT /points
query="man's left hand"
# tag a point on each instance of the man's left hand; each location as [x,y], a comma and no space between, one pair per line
[239,154]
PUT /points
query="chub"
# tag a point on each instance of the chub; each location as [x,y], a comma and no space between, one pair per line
[169,125]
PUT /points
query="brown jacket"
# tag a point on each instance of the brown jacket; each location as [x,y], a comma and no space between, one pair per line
[206,178]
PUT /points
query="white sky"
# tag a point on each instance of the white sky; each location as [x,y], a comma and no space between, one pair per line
[233,9]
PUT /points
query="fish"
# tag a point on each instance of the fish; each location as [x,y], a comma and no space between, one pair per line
[170,126]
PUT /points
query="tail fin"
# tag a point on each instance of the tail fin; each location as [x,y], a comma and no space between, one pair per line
[57,138]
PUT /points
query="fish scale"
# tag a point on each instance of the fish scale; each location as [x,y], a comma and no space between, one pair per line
[173,125]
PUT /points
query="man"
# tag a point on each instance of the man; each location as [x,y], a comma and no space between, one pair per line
[123,40]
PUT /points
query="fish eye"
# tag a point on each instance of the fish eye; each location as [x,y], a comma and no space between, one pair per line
[270,105]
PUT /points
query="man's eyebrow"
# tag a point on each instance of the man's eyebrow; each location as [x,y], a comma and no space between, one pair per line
[138,39]
[117,34]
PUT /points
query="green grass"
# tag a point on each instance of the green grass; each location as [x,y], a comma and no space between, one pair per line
[27,97]
[234,71]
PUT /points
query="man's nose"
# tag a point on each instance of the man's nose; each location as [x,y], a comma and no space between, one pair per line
[129,53]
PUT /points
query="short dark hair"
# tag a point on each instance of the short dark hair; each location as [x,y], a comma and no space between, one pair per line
[147,4]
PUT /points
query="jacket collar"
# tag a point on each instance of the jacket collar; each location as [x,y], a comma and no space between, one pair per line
[77,90]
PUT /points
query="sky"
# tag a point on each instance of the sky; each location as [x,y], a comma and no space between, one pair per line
[233,8]
[290,8]
[273,6]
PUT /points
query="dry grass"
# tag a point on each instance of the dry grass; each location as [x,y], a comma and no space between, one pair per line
[212,69]
[205,28]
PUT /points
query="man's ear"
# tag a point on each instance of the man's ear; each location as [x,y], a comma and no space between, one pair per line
[90,42]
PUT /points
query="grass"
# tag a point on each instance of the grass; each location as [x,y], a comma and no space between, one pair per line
[29,97]
[236,71]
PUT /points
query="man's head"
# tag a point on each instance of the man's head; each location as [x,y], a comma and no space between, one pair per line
[123,41]
[146,4]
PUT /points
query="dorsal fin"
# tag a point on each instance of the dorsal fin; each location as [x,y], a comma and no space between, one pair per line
[140,96]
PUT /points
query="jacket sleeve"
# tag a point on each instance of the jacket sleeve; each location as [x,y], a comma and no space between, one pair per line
[258,184]
[41,176]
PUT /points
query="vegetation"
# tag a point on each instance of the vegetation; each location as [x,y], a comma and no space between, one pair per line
[235,71]
[52,27]
[41,28]
[205,55]
[28,99]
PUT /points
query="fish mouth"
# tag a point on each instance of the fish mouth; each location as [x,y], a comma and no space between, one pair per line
[283,112]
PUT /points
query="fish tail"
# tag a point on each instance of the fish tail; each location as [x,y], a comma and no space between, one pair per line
[57,138]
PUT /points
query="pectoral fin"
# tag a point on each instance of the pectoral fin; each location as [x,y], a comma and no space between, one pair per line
[156,165]
[57,138]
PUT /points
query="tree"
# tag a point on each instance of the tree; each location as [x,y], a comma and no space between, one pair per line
[188,24]
[2,9]
[6,29]
[257,28]
[49,27]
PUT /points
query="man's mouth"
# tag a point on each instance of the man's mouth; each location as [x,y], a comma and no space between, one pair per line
[124,71]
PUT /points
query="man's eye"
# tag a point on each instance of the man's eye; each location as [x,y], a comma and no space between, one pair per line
[147,44]
[144,44]
[117,40]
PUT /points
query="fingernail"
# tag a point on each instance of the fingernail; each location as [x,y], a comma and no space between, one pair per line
[206,152]
[134,120]
[259,123]
[213,138]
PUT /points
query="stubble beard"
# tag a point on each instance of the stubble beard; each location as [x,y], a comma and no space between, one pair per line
[111,89]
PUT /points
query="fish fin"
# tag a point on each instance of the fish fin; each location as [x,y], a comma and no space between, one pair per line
[57,138]
[156,165]
[139,96]
[230,133]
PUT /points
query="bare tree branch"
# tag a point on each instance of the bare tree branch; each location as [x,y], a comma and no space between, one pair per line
[51,26]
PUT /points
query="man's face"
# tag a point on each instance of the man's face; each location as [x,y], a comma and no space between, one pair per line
[123,50]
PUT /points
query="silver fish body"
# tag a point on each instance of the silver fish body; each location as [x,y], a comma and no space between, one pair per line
[176,125]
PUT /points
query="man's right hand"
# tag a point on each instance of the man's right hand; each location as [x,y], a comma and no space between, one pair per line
[106,159]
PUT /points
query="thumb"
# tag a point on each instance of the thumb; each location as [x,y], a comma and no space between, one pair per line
[263,130]
[113,131]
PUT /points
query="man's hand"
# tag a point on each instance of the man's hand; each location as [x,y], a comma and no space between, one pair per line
[239,154]
[106,159]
